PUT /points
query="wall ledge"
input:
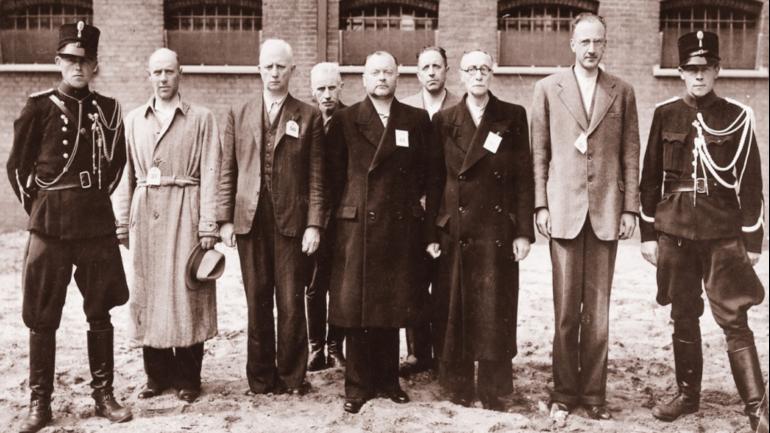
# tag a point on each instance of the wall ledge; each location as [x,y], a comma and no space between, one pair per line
[659,72]
[28,67]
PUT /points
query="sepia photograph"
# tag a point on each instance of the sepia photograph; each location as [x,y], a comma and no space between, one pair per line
[384,216]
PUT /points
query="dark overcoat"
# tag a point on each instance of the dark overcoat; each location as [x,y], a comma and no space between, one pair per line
[488,202]
[381,230]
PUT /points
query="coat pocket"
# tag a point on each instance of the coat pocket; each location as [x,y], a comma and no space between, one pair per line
[674,149]
[621,186]
[346,213]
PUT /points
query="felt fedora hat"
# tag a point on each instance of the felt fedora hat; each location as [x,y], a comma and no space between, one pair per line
[203,266]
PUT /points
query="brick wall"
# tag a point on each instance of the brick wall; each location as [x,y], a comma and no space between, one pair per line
[132,30]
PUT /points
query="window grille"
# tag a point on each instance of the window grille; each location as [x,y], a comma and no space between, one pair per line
[225,33]
[401,29]
[737,30]
[29,32]
[538,34]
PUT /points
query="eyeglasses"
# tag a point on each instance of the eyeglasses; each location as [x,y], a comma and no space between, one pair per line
[585,43]
[485,70]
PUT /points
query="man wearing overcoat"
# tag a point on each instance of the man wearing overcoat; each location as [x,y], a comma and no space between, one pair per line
[271,203]
[486,228]
[702,218]
[381,161]
[67,156]
[585,150]
[433,96]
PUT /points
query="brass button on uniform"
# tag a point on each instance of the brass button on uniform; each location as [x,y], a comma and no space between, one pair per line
[65,142]
[65,155]
[63,129]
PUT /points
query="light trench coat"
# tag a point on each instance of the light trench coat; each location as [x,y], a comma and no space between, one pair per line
[165,222]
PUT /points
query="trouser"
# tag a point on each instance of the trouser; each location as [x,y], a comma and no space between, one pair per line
[582,278]
[179,367]
[47,271]
[722,267]
[372,362]
[495,377]
[316,299]
[419,338]
[273,266]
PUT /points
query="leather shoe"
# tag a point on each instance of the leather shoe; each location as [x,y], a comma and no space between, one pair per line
[412,366]
[300,390]
[598,412]
[150,392]
[492,403]
[461,399]
[398,396]
[335,359]
[353,405]
[188,395]
[317,360]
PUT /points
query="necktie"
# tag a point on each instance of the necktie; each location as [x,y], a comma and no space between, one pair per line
[384,118]
[272,112]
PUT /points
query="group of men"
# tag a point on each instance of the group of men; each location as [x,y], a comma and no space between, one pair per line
[410,214]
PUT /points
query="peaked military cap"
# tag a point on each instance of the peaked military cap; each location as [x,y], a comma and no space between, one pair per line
[698,48]
[79,40]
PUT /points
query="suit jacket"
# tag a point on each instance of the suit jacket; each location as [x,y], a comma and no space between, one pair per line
[417,101]
[488,201]
[298,189]
[601,183]
[381,230]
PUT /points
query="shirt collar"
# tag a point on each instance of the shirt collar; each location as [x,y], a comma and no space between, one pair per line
[270,99]
[181,106]
[702,102]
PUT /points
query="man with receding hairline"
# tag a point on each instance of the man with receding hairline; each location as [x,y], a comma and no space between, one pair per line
[271,203]
[381,161]
[585,149]
[168,192]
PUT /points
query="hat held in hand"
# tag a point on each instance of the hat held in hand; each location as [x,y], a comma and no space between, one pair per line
[203,266]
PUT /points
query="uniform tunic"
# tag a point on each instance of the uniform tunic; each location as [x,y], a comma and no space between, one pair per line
[165,222]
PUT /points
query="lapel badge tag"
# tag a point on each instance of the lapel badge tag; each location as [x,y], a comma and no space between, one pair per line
[402,138]
[581,144]
[292,129]
[492,143]
[153,176]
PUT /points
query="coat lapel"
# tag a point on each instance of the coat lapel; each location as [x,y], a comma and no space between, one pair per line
[368,122]
[603,99]
[255,120]
[463,127]
[489,123]
[570,97]
[289,112]
[387,142]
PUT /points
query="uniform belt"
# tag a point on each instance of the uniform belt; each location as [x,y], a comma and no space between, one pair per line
[81,181]
[701,186]
[180,181]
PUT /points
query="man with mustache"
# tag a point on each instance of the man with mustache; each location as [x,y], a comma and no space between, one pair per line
[433,96]
[585,150]
[67,157]
[326,86]
[271,204]
[702,216]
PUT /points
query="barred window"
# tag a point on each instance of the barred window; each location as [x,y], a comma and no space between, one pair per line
[736,22]
[537,33]
[214,32]
[399,27]
[29,29]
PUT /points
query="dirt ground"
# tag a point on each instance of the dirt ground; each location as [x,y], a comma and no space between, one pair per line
[640,369]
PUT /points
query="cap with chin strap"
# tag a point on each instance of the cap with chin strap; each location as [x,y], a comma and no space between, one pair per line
[78,40]
[698,48]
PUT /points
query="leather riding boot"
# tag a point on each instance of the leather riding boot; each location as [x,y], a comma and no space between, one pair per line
[42,358]
[688,362]
[747,374]
[317,357]
[100,359]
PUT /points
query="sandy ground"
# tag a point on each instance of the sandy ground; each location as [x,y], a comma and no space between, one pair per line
[640,370]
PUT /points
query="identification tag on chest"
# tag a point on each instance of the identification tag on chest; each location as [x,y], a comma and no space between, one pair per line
[402,138]
[153,176]
[292,129]
[492,143]
[581,144]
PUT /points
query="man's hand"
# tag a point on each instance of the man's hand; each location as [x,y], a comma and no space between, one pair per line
[650,252]
[208,242]
[310,240]
[434,250]
[227,234]
[753,257]
[627,225]
[543,220]
[123,240]
[520,248]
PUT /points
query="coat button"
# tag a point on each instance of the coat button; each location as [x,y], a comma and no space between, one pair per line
[65,155]
[461,177]
[498,209]
[499,243]
[463,243]
[462,209]
[83,131]
[63,129]
[65,142]
[155,215]
[371,215]
[497,175]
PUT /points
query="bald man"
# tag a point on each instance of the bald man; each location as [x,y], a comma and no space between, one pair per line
[168,193]
[271,204]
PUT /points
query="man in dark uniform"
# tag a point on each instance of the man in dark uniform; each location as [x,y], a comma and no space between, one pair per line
[67,156]
[701,198]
